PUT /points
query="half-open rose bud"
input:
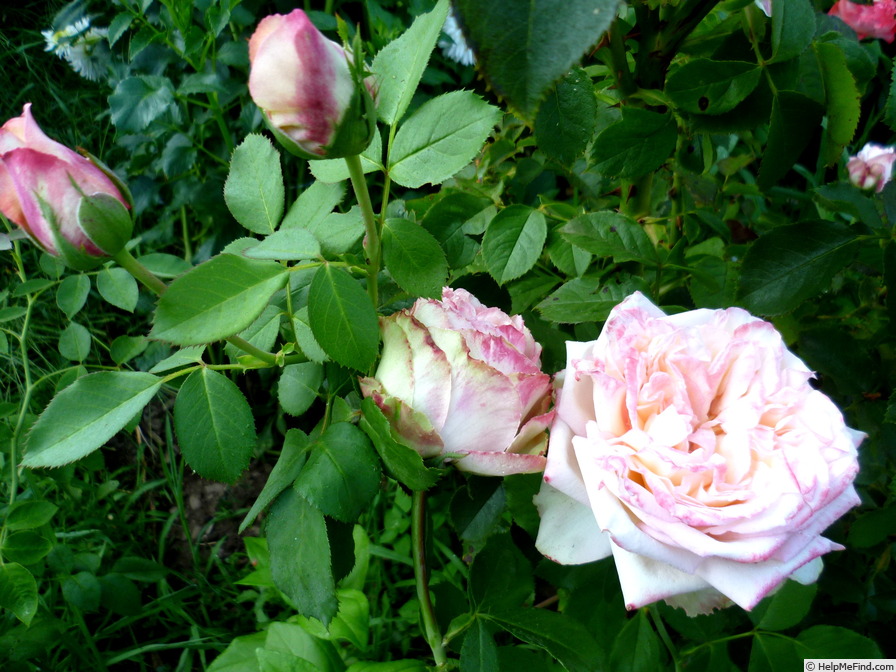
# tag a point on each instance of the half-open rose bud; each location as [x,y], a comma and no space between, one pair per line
[312,95]
[71,206]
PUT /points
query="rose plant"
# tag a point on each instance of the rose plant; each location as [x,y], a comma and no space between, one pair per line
[872,167]
[693,448]
[463,381]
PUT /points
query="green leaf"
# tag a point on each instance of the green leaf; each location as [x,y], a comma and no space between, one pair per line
[183,357]
[105,220]
[847,198]
[240,656]
[300,556]
[86,414]
[501,577]
[164,265]
[773,654]
[610,234]
[216,299]
[339,232]
[513,242]
[74,342]
[446,221]
[342,474]
[286,245]
[314,204]
[118,287]
[637,648]
[399,65]
[702,86]
[873,527]
[289,465]
[786,608]
[842,99]
[638,144]
[523,48]
[125,348]
[342,318]
[791,264]
[587,299]
[139,569]
[403,463]
[793,26]
[306,341]
[831,641]
[441,138]
[391,666]
[479,652]
[567,118]
[214,425]
[890,109]
[298,386]
[137,101]
[71,295]
[414,258]
[25,547]
[29,515]
[795,120]
[566,639]
[18,591]
[82,591]
[254,190]
[299,641]
[336,170]
[119,595]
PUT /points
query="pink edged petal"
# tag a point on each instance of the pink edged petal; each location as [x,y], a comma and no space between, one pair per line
[484,412]
[413,427]
[9,200]
[568,533]
[562,471]
[533,437]
[746,584]
[645,580]
[699,602]
[499,464]
[23,131]
[534,391]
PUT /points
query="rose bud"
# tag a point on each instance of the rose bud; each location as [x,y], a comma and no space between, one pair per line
[693,449]
[875,20]
[872,167]
[71,206]
[311,93]
[462,381]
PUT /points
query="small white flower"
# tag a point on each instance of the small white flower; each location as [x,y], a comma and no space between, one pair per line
[456,48]
[83,47]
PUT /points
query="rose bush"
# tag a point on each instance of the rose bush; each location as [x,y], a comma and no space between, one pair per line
[460,380]
[693,449]
[872,167]
[312,100]
[876,20]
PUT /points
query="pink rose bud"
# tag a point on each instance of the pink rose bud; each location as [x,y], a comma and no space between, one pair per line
[463,381]
[69,205]
[693,449]
[875,20]
[872,167]
[310,91]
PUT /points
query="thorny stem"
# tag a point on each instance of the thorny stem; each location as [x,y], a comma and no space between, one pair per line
[421,578]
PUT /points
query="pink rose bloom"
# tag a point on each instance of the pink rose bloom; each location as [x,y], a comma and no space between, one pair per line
[43,189]
[693,449]
[305,87]
[872,167]
[464,382]
[875,20]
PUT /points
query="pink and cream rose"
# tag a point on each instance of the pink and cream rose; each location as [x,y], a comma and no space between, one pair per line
[872,167]
[463,381]
[876,20]
[304,84]
[693,449]
[71,206]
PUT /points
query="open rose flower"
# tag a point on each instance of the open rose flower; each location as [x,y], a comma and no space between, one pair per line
[693,449]
[313,100]
[70,206]
[872,167]
[463,381]
[876,20]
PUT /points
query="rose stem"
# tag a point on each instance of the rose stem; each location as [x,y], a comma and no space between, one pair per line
[359,184]
[421,577]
